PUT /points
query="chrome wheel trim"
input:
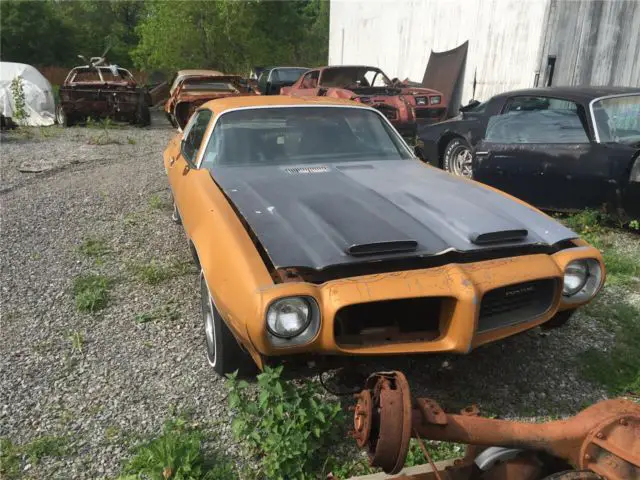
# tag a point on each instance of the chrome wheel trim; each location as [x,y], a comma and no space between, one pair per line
[461,162]
[60,116]
[209,325]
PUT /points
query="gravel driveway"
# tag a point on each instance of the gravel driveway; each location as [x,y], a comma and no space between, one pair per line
[120,378]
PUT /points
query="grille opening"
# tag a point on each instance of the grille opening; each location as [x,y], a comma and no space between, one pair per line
[513,304]
[429,112]
[389,321]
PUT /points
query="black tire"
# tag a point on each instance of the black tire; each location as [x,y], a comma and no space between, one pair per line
[143,115]
[452,161]
[557,321]
[175,216]
[62,118]
[222,350]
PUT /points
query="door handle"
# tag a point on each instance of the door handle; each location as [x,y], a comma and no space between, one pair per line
[172,160]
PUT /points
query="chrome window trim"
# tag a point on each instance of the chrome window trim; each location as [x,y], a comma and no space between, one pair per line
[189,126]
[596,133]
[260,107]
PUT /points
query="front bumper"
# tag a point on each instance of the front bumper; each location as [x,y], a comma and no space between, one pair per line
[464,287]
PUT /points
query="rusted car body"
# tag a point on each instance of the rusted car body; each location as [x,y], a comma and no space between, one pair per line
[189,91]
[314,212]
[601,442]
[102,91]
[405,106]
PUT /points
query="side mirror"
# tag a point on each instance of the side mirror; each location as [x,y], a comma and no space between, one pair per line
[186,155]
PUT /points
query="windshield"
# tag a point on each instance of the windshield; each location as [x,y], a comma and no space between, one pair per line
[617,119]
[287,75]
[354,77]
[296,135]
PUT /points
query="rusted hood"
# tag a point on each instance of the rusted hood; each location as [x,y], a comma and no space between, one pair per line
[333,214]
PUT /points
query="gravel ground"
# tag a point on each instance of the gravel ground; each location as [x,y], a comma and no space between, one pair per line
[128,376]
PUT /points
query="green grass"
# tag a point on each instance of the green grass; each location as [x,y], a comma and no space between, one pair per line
[618,368]
[177,453]
[156,202]
[11,455]
[77,341]
[165,312]
[91,292]
[153,272]
[94,247]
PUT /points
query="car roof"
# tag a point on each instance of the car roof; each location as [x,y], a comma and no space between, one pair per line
[574,94]
[220,105]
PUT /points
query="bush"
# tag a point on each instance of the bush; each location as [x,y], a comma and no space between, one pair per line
[289,428]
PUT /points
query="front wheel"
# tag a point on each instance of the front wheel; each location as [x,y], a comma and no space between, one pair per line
[61,117]
[458,158]
[223,352]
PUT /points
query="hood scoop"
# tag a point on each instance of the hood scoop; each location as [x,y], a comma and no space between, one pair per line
[502,236]
[303,170]
[380,248]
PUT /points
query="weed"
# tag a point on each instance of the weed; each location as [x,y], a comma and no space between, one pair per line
[618,369]
[77,340]
[165,312]
[91,292]
[47,446]
[111,432]
[9,459]
[291,429]
[176,454]
[131,141]
[158,203]
[94,248]
[46,132]
[437,451]
[634,225]
[103,139]
[153,273]
[19,101]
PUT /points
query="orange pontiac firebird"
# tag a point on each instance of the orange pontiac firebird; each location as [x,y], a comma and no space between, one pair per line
[318,231]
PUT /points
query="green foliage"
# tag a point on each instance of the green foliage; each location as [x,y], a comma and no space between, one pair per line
[634,225]
[91,292]
[165,312]
[94,247]
[153,272]
[289,428]
[618,369]
[11,455]
[19,102]
[232,36]
[9,459]
[158,203]
[77,340]
[176,454]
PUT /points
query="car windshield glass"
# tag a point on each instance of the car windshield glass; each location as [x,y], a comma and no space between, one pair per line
[297,135]
[209,86]
[287,75]
[617,119]
[353,77]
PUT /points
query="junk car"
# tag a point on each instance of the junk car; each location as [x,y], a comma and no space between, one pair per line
[191,91]
[317,231]
[404,106]
[558,148]
[102,90]
[272,79]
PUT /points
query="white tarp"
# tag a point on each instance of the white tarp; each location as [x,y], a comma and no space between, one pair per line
[38,94]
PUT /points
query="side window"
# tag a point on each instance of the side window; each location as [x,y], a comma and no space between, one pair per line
[538,120]
[195,133]
[310,80]
[262,82]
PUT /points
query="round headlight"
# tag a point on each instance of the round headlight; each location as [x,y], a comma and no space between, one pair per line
[288,317]
[576,275]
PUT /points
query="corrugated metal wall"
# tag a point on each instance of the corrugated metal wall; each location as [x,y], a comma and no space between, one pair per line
[504,38]
[594,42]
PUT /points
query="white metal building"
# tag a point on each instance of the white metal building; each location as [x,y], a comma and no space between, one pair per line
[512,43]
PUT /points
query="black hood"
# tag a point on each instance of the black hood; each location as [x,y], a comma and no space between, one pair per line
[326,215]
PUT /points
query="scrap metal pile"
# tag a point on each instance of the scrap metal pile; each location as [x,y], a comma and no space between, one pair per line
[601,442]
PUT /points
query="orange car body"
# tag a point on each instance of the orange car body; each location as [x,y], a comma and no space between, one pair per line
[243,287]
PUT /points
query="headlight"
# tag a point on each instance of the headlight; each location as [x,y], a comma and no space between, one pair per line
[436,99]
[575,276]
[582,280]
[289,317]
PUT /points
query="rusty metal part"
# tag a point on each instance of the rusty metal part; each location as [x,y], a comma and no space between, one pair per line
[602,440]
[362,418]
